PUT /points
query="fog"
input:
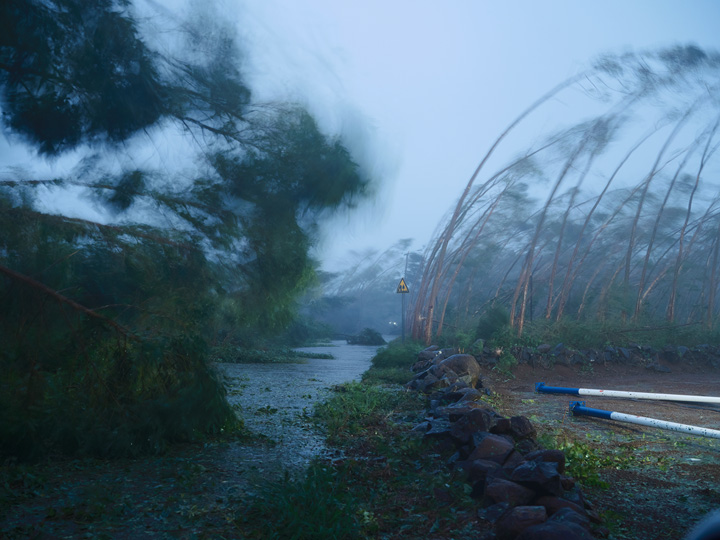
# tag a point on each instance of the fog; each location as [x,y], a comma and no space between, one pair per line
[417,90]
[433,85]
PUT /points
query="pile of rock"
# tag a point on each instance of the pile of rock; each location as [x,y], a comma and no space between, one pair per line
[656,359]
[523,488]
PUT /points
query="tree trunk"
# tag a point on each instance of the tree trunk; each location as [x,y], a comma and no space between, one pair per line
[703,161]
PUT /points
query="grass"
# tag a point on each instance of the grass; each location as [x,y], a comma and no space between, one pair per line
[319,506]
[236,355]
[389,484]
[391,365]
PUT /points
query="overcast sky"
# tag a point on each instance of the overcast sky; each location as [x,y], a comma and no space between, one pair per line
[423,87]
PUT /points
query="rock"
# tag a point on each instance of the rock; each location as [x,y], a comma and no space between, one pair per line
[553,504]
[555,456]
[421,365]
[658,367]
[498,490]
[567,515]
[479,470]
[494,512]
[501,427]
[456,411]
[477,420]
[552,530]
[471,395]
[513,460]
[461,365]
[567,482]
[669,354]
[518,427]
[439,429]
[541,476]
[432,383]
[428,354]
[491,447]
[521,428]
[526,446]
[518,519]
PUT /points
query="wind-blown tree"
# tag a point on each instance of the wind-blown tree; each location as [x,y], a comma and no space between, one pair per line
[106,324]
[628,222]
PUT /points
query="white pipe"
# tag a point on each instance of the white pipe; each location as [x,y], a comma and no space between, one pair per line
[540,387]
[579,408]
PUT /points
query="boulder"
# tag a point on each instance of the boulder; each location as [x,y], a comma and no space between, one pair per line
[567,515]
[553,504]
[552,530]
[518,519]
[542,476]
[491,447]
[462,365]
[494,512]
[480,469]
[498,490]
[555,456]
[476,420]
[428,354]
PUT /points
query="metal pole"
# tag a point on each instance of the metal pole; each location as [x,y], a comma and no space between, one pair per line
[578,408]
[403,318]
[541,388]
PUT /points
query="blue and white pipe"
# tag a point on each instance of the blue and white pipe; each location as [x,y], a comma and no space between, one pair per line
[541,388]
[578,408]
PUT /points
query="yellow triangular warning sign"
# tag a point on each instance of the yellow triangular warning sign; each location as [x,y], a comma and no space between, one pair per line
[402,287]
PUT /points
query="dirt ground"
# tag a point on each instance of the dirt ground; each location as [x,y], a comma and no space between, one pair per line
[659,483]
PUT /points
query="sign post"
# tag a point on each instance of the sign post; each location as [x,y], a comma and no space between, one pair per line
[402,289]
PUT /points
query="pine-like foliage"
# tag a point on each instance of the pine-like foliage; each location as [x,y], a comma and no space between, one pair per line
[105,325]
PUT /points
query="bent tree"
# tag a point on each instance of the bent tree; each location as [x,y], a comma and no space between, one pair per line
[626,190]
[107,315]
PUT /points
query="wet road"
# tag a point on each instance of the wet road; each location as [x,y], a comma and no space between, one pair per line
[276,401]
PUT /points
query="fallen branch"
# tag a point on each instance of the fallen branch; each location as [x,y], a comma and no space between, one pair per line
[65,300]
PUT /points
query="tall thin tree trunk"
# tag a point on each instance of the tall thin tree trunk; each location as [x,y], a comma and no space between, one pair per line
[570,274]
[522,284]
[703,161]
[712,288]
[450,229]
[643,194]
[653,235]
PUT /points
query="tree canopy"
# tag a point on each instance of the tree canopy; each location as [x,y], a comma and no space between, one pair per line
[614,216]
[107,323]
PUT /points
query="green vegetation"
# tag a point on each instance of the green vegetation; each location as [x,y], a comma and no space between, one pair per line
[585,460]
[391,364]
[235,355]
[319,506]
[107,326]
[367,337]
[389,482]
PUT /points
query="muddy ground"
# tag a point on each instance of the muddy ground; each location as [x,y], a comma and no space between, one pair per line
[657,484]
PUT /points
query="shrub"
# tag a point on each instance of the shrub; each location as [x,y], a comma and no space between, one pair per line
[367,337]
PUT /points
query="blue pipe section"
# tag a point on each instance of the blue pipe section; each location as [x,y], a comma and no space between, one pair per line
[578,408]
[541,388]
